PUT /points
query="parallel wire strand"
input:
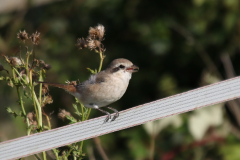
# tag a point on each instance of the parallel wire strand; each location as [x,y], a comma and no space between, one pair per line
[177,104]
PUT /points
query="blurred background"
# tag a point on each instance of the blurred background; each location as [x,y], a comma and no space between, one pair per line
[178,45]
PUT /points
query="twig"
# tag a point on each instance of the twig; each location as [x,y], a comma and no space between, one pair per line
[152,147]
[100,148]
[90,153]
[229,70]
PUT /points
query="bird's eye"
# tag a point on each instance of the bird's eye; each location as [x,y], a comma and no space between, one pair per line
[121,66]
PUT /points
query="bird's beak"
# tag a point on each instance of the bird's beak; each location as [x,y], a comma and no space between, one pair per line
[132,69]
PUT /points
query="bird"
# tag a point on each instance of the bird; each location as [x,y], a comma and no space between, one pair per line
[103,88]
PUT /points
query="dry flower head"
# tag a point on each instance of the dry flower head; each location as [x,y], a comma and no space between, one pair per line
[94,39]
[35,38]
[15,61]
[81,43]
[22,35]
[97,32]
[47,66]
[32,119]
[45,89]
[91,44]
[47,100]
[62,114]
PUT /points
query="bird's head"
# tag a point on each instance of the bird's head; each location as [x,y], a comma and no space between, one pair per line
[122,67]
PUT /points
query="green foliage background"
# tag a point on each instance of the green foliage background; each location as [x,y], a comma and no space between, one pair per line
[173,42]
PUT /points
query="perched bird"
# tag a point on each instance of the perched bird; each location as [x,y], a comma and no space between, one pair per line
[103,88]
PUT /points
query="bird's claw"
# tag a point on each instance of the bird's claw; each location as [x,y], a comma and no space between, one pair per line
[107,118]
[115,116]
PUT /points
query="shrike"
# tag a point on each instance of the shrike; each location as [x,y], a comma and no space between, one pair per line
[103,88]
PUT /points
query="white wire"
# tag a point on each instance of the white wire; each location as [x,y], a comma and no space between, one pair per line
[180,103]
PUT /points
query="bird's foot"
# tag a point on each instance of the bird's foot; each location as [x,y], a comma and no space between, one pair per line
[115,116]
[107,118]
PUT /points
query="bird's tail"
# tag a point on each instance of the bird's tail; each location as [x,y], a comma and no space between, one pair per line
[69,88]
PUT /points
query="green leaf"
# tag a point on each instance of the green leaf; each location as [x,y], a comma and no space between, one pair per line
[10,83]
[92,71]
[76,110]
[72,119]
[10,111]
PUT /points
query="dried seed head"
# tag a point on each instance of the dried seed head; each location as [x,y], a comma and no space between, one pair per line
[42,62]
[97,32]
[31,116]
[98,43]
[101,31]
[45,89]
[34,123]
[93,33]
[22,35]
[91,44]
[15,61]
[81,43]
[62,114]
[47,66]
[35,38]
[49,99]
[32,119]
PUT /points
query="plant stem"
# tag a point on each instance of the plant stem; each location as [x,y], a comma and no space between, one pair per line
[69,152]
[101,61]
[89,111]
[40,88]
[30,87]
[152,147]
[82,111]
[81,146]
[14,76]
[38,158]
[55,152]
[44,155]
[38,107]
[21,101]
[48,120]
[23,110]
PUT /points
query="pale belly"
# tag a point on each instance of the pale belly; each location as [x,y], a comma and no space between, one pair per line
[102,94]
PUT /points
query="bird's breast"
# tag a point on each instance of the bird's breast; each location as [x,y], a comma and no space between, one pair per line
[104,93]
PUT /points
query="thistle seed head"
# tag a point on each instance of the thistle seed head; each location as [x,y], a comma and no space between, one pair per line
[35,38]
[47,66]
[22,35]
[81,43]
[62,114]
[15,61]
[97,32]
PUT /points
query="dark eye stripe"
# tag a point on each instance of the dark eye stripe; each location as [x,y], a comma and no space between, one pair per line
[115,69]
